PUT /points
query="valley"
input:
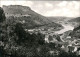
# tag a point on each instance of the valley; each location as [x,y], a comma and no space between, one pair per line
[25,33]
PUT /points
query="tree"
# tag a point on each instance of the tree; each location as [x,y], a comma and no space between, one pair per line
[20,32]
[2,31]
[2,15]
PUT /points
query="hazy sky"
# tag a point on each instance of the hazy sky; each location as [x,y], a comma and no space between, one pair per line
[49,8]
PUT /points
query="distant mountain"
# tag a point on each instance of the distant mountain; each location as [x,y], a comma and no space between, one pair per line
[75,20]
[60,18]
[27,15]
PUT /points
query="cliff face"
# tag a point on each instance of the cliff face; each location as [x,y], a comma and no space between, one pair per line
[17,9]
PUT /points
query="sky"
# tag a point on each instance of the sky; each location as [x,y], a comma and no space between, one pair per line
[49,8]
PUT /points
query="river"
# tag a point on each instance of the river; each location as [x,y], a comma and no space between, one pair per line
[66,28]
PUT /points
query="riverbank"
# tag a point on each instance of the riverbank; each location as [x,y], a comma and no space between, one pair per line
[66,28]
